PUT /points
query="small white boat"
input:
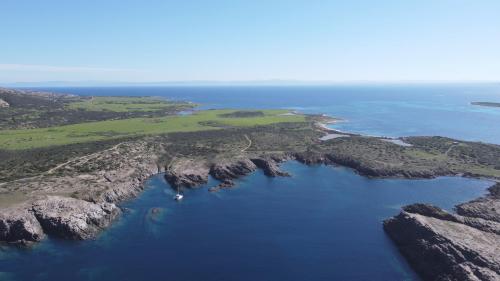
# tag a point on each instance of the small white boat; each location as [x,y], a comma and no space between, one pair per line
[178,196]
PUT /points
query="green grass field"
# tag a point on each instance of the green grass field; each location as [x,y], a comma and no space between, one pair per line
[103,130]
[122,104]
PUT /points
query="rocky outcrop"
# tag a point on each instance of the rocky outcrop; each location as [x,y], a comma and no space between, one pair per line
[232,168]
[438,213]
[127,183]
[187,173]
[270,167]
[228,169]
[4,103]
[191,173]
[444,246]
[92,185]
[19,225]
[63,217]
[487,207]
[73,218]
[312,158]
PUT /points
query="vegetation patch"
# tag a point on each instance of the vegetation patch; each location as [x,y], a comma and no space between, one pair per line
[243,114]
[122,104]
[105,130]
[28,110]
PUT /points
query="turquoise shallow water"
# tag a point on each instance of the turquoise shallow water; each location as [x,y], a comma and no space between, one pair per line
[324,223]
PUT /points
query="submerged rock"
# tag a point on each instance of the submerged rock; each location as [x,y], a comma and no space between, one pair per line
[73,218]
[155,214]
[222,185]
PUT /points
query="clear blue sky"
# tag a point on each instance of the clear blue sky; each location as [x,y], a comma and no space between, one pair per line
[137,41]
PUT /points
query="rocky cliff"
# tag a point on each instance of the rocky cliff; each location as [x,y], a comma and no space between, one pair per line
[19,225]
[73,218]
[269,166]
[444,246]
[228,169]
[72,204]
[487,207]
[63,217]
[187,172]
[192,173]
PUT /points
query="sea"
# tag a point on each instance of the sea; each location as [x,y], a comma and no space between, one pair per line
[323,223]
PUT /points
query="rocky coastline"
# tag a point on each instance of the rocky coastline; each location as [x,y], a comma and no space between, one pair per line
[78,205]
[439,245]
[445,246]
[123,169]
[189,173]
[79,198]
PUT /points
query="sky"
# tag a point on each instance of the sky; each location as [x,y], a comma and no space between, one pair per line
[212,40]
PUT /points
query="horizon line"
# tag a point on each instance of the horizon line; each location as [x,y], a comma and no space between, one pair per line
[268,82]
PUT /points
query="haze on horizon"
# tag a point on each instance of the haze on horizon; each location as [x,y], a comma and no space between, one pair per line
[335,41]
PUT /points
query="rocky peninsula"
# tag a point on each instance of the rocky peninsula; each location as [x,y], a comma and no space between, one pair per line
[445,246]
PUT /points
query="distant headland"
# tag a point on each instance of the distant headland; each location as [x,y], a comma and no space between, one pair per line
[488,104]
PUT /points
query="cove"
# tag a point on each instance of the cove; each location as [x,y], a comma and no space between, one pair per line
[323,223]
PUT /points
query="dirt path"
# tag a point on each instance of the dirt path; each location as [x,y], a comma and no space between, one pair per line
[85,158]
[249,143]
[50,171]
[449,149]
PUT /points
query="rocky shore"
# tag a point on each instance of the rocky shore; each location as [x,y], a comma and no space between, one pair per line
[189,173]
[97,182]
[71,204]
[439,245]
[68,203]
[445,246]
[78,198]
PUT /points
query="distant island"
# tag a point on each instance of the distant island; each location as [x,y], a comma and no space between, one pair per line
[489,104]
[69,161]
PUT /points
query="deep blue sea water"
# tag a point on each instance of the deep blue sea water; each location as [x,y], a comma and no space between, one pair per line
[324,223]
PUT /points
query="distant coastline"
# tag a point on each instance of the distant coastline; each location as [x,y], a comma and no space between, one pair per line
[488,104]
[238,83]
